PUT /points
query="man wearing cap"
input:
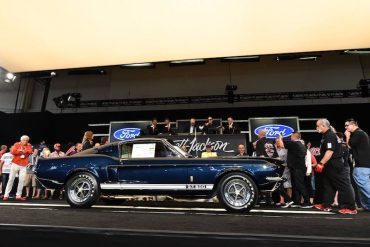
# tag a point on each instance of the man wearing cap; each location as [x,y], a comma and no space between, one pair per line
[57,152]
[20,151]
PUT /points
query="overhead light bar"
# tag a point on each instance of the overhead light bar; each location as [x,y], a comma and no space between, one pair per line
[309,57]
[87,72]
[138,65]
[357,52]
[241,59]
[40,74]
[187,62]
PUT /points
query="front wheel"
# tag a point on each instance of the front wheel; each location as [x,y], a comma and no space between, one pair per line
[82,190]
[237,192]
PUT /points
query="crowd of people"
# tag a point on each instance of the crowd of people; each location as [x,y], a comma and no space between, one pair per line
[17,161]
[208,127]
[339,177]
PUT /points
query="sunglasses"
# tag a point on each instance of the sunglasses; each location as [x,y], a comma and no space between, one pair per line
[346,125]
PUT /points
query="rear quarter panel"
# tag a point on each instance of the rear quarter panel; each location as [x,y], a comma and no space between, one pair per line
[53,173]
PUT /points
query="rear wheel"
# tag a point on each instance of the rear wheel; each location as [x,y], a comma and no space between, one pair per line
[82,190]
[237,192]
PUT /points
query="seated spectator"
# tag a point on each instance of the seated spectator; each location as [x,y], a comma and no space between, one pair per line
[74,149]
[45,153]
[104,140]
[184,148]
[57,152]
[241,150]
[209,127]
[208,153]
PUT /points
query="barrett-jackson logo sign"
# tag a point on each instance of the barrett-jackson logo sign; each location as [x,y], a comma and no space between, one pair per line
[224,145]
[196,146]
[275,130]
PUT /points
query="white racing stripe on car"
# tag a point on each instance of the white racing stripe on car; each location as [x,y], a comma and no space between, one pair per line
[153,208]
[123,186]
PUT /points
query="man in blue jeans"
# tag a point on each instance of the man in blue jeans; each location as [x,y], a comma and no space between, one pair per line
[359,142]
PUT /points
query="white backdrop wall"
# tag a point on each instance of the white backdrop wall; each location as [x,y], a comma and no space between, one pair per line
[331,71]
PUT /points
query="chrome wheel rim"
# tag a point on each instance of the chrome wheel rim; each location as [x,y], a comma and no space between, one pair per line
[80,190]
[237,193]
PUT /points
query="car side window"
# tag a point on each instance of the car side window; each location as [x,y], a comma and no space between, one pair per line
[110,150]
[126,150]
[161,151]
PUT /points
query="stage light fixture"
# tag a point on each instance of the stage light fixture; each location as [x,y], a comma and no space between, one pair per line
[307,57]
[137,65]
[357,52]
[187,62]
[241,59]
[6,76]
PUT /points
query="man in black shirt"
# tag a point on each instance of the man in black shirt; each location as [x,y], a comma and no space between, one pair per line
[264,148]
[209,127]
[297,165]
[231,127]
[168,128]
[152,129]
[334,175]
[359,142]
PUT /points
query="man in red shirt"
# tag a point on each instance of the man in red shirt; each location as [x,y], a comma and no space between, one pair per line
[20,151]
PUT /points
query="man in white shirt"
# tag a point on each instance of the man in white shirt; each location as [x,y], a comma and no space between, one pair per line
[5,165]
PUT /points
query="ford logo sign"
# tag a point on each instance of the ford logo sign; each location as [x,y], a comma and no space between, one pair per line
[126,133]
[274,130]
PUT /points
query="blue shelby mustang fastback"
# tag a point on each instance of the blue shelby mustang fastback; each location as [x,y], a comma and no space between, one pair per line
[151,166]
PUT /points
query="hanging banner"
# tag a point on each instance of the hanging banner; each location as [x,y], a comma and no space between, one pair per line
[273,126]
[223,145]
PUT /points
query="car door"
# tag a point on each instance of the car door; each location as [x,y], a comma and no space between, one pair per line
[151,165]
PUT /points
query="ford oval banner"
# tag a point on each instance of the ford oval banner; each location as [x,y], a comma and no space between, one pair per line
[120,131]
[274,127]
[126,133]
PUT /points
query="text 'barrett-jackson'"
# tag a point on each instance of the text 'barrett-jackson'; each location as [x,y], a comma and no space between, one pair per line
[274,130]
[126,134]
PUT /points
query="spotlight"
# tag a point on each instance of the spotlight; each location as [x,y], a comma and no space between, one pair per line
[6,76]
[10,76]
